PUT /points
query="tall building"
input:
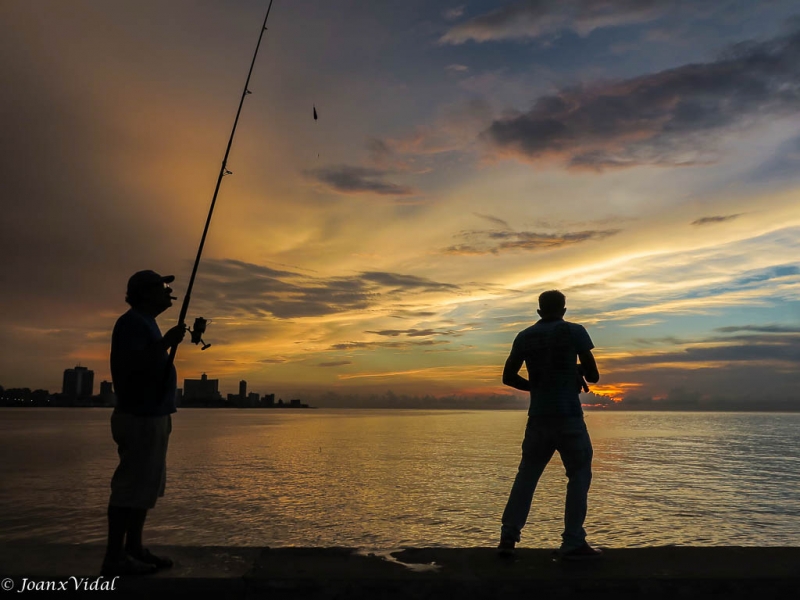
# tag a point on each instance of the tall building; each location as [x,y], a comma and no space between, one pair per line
[201,389]
[106,388]
[242,389]
[78,382]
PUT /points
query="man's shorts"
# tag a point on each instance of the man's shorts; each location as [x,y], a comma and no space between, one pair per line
[141,476]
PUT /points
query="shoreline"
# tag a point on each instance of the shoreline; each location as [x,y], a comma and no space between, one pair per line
[293,572]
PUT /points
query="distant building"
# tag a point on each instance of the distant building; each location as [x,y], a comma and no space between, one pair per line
[252,399]
[242,389]
[78,383]
[268,400]
[106,388]
[201,389]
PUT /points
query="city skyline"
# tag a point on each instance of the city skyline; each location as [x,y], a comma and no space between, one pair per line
[641,157]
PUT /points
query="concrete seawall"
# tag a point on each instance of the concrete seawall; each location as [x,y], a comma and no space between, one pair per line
[456,573]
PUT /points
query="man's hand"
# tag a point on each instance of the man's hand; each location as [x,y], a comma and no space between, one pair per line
[582,385]
[174,336]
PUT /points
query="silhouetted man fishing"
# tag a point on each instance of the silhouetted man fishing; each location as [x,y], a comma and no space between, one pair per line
[550,349]
[145,384]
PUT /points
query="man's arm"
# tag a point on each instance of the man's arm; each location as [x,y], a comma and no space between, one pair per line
[511,376]
[589,367]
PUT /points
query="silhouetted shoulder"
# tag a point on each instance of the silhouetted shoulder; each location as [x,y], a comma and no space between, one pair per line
[580,337]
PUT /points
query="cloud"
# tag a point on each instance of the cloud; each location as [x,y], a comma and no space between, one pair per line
[495,242]
[451,14]
[335,363]
[457,68]
[413,332]
[347,180]
[493,220]
[237,288]
[393,345]
[407,282]
[455,129]
[672,117]
[765,347]
[536,18]
[716,219]
[758,329]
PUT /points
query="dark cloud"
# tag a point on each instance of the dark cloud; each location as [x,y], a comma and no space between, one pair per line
[236,288]
[360,180]
[536,18]
[784,347]
[335,363]
[752,371]
[716,219]
[494,242]
[666,118]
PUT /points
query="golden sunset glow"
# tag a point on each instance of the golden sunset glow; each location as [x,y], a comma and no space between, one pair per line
[400,241]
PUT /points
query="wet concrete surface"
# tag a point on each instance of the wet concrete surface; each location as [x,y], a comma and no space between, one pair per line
[250,572]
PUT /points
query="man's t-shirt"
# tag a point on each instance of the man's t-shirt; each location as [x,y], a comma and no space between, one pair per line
[138,367]
[550,350]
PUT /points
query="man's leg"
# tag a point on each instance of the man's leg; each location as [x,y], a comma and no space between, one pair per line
[118,522]
[537,450]
[155,434]
[133,539]
[575,448]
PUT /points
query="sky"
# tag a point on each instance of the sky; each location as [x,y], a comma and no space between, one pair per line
[639,155]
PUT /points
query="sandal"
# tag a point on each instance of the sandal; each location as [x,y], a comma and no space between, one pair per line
[159,562]
[127,565]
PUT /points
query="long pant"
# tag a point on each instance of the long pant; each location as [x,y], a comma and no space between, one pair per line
[543,436]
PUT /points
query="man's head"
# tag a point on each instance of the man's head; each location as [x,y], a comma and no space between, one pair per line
[148,291]
[552,305]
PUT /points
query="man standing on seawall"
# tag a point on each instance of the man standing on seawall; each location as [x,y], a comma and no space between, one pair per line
[550,349]
[141,422]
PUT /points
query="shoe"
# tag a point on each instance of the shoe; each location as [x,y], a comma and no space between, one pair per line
[126,566]
[506,548]
[147,557]
[581,553]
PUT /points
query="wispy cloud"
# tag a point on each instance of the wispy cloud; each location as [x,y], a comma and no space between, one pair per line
[346,179]
[535,18]
[451,14]
[335,363]
[668,118]
[715,219]
[372,345]
[454,129]
[494,242]
[414,332]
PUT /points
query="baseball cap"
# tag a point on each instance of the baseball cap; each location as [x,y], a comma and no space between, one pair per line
[145,279]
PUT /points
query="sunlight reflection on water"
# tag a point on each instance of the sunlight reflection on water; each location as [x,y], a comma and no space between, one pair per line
[388,479]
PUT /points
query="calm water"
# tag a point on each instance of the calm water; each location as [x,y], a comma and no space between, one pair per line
[385,479]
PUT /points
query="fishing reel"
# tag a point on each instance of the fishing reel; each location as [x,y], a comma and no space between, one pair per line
[198,331]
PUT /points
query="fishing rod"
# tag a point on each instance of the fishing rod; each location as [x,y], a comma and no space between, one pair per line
[200,323]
